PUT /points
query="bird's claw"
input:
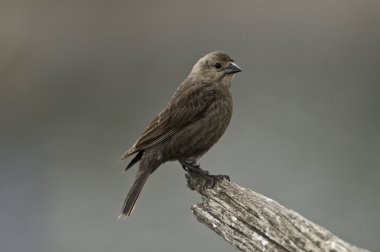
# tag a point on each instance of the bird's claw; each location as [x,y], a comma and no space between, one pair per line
[208,180]
[192,166]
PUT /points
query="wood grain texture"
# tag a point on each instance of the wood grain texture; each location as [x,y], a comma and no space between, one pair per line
[253,222]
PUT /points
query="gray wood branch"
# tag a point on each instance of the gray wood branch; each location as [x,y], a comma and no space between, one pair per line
[253,222]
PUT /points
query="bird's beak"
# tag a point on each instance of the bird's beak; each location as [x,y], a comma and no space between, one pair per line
[232,68]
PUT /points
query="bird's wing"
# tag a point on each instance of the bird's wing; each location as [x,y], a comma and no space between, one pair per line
[187,104]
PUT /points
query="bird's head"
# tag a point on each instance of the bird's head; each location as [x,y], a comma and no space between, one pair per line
[215,67]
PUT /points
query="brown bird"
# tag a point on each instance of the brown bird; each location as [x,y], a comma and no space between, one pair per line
[195,118]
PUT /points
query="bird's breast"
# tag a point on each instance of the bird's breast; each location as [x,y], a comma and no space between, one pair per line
[218,115]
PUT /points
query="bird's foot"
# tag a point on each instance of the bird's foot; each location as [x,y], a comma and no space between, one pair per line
[203,178]
[192,166]
[201,182]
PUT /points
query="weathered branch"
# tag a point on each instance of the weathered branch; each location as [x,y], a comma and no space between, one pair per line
[253,222]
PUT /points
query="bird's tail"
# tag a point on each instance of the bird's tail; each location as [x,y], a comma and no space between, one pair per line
[134,160]
[134,192]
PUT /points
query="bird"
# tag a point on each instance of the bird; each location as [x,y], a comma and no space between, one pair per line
[195,118]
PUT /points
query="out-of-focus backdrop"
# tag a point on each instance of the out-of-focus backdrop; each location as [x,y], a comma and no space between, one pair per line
[79,81]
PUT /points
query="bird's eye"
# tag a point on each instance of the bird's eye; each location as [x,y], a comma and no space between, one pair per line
[218,65]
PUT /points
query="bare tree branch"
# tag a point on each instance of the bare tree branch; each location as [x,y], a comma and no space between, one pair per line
[253,222]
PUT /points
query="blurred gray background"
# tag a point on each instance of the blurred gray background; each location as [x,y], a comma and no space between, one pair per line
[79,81]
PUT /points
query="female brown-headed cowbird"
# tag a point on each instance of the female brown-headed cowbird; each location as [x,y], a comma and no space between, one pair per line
[195,118]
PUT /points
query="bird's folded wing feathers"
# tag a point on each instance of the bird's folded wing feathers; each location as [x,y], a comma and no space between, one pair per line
[186,105]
